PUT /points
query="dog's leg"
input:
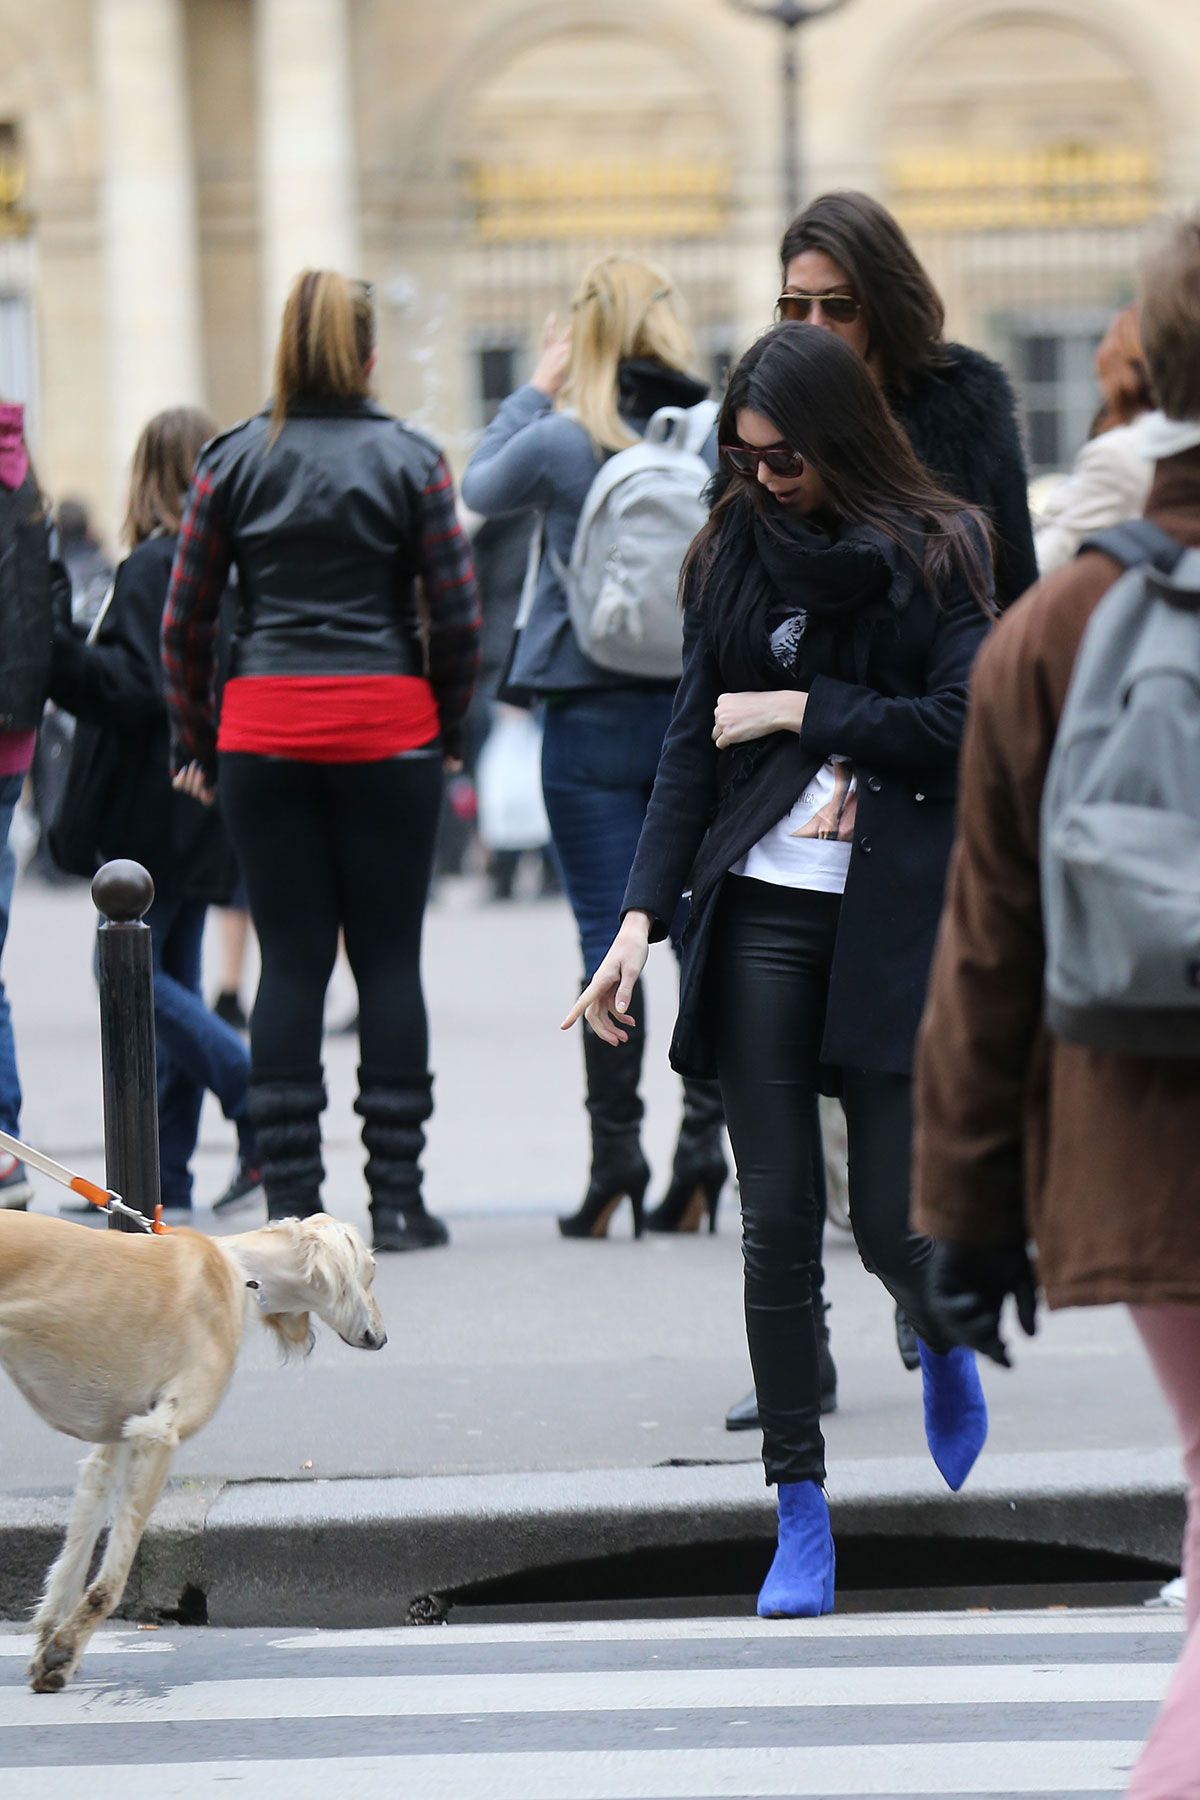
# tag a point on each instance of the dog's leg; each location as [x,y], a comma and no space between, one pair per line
[150,1443]
[98,1476]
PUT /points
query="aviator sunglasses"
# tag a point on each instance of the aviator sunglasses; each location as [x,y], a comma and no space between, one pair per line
[780,458]
[839,309]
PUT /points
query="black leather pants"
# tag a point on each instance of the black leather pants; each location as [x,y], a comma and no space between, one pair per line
[769,978]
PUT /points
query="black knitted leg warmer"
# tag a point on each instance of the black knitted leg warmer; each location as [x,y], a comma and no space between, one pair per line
[394,1106]
[285,1108]
[394,1109]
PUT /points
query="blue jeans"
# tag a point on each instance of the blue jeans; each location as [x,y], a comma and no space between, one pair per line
[10,1086]
[196,1050]
[599,759]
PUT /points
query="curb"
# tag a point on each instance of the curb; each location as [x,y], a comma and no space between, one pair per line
[358,1552]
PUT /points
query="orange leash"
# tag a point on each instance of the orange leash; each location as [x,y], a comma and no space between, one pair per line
[102,1197]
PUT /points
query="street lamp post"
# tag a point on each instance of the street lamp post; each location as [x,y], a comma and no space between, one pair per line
[790,14]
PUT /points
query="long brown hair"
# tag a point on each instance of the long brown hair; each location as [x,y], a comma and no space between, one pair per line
[162,470]
[821,398]
[1122,373]
[325,342]
[903,311]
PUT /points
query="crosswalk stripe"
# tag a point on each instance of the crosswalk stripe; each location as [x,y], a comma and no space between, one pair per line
[835,1773]
[849,1625]
[686,1690]
[20,1644]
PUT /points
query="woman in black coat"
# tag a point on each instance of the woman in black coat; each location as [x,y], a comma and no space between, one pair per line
[834,605]
[120,802]
[849,268]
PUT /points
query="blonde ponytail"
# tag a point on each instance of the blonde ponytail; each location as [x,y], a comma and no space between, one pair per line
[325,342]
[623,308]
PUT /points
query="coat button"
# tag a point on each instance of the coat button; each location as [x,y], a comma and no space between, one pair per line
[874,783]
[918,796]
[864,845]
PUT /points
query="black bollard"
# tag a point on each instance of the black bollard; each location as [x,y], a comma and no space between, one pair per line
[123,892]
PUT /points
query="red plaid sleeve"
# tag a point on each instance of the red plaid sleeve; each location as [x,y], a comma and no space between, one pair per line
[191,621]
[448,578]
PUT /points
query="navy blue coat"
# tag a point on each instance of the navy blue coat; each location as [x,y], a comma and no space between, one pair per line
[902,727]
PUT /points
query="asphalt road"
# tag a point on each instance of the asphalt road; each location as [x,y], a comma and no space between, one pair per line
[938,1705]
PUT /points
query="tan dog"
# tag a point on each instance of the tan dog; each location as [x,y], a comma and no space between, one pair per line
[129,1342]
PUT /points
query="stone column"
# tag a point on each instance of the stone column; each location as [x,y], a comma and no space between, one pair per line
[148,212]
[306,157]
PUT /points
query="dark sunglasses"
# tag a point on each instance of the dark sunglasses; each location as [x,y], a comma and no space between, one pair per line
[781,459]
[840,309]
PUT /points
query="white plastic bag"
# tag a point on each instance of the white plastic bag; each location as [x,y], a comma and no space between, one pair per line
[508,784]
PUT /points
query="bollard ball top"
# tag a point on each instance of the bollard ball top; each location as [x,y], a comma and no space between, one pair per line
[123,891]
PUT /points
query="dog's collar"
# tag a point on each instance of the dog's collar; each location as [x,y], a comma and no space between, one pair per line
[255,1288]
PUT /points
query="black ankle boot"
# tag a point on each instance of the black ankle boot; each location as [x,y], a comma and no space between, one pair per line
[394,1106]
[285,1108]
[700,1168]
[743,1414]
[615,1108]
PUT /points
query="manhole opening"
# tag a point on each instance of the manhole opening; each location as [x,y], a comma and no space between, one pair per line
[889,1572]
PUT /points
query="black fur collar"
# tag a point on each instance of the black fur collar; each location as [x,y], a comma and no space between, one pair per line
[958,416]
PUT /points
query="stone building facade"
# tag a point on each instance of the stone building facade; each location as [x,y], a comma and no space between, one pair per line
[167,165]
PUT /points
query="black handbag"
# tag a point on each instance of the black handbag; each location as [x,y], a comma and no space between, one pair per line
[83,816]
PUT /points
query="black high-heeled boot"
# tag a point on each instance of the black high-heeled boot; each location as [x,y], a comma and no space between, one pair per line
[699,1170]
[615,1108]
[394,1107]
[285,1108]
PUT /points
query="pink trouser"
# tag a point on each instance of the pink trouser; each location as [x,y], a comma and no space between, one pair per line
[1169,1766]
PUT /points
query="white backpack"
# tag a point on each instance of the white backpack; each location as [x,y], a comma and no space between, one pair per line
[641,512]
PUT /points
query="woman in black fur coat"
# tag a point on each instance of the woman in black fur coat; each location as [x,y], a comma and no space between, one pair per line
[848,267]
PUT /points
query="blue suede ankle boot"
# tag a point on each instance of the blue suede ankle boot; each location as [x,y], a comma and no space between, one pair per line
[799,1583]
[956,1419]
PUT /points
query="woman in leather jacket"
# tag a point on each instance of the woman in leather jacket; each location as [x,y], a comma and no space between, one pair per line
[337,719]
[833,606]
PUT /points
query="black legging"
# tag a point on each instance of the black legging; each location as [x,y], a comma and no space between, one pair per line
[769,977]
[325,847]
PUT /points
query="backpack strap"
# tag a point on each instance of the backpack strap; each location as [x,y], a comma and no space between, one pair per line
[686,427]
[1134,542]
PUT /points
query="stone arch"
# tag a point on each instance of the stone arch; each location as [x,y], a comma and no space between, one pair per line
[1023,147]
[440,130]
[574,132]
[915,44]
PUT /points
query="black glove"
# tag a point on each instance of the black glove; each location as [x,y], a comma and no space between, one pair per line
[967,1286]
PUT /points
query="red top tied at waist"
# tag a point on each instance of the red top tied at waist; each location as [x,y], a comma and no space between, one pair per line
[328,718]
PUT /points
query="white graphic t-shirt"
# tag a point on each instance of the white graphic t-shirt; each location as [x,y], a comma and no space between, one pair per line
[810,846]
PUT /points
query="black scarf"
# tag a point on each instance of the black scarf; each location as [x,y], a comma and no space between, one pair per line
[644,384]
[785,600]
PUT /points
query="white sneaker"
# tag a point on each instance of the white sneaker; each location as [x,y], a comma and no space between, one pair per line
[16,1189]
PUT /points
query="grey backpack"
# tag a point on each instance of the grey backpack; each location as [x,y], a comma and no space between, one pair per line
[1120,820]
[641,512]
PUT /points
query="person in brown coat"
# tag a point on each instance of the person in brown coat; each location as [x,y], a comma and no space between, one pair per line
[1019,1134]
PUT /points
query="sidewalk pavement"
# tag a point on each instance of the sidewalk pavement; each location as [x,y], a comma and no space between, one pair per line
[539,1401]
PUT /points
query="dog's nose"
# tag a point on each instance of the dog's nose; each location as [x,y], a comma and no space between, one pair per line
[374,1340]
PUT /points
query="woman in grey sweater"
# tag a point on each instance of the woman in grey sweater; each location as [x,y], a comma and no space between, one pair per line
[622,358]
